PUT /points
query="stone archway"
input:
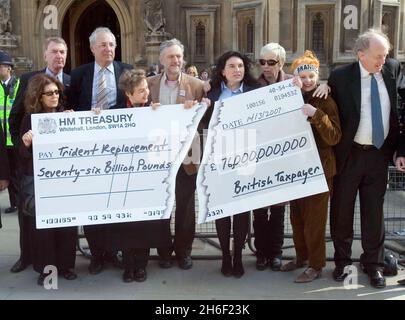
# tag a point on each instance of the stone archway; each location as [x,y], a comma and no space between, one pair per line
[79,23]
[64,7]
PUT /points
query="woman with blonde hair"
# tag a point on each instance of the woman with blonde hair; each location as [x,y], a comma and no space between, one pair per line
[192,71]
[309,215]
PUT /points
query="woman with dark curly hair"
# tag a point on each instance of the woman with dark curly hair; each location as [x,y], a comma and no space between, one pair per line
[231,77]
[56,247]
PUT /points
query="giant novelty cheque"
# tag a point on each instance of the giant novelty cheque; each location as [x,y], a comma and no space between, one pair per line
[118,166]
[260,151]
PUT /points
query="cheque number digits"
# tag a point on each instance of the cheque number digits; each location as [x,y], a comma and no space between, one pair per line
[214,213]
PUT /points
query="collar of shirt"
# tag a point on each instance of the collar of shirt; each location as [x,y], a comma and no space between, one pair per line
[364,74]
[5,82]
[58,76]
[167,81]
[227,91]
[97,68]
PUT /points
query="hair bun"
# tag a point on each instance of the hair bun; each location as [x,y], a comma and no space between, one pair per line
[309,54]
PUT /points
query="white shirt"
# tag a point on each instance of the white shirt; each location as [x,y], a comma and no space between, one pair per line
[5,82]
[364,133]
[111,85]
[58,76]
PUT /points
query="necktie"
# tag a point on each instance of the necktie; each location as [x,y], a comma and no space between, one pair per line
[102,92]
[376,116]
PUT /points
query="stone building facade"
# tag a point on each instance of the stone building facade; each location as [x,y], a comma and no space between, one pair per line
[207,28]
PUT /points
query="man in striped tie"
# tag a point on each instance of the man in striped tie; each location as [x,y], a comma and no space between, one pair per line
[102,90]
[95,86]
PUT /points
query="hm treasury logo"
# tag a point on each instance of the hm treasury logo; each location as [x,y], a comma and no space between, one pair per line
[47,126]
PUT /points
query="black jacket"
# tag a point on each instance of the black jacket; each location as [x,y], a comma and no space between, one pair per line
[346,91]
[4,165]
[80,93]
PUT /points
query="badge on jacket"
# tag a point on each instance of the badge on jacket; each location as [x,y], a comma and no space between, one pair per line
[182,93]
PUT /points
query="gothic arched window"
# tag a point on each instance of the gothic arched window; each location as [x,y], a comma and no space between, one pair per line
[318,30]
[200,39]
[250,36]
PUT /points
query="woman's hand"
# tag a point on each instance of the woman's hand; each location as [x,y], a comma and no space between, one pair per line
[297,81]
[207,86]
[322,91]
[27,138]
[68,110]
[308,109]
[96,110]
[206,101]
[155,105]
[400,164]
[188,104]
[3,184]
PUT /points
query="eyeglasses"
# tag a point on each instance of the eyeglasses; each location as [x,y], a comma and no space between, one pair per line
[270,62]
[51,93]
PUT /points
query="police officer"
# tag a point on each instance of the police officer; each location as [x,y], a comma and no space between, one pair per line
[8,90]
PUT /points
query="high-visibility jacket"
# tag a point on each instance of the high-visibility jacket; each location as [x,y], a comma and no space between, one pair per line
[7,98]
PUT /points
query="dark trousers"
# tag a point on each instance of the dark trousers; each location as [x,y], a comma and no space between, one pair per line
[55,247]
[13,185]
[24,223]
[96,238]
[269,231]
[184,216]
[135,258]
[240,228]
[365,172]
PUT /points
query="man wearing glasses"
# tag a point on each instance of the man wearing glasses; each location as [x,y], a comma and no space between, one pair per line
[95,86]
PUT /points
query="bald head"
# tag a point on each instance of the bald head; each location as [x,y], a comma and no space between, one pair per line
[372,48]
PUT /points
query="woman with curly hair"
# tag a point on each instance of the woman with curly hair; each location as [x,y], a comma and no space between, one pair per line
[231,77]
[56,247]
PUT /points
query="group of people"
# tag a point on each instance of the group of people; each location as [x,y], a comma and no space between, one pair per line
[353,118]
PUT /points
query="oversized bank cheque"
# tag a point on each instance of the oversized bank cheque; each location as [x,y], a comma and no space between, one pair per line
[259,151]
[118,166]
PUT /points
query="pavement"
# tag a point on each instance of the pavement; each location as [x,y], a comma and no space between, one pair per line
[203,282]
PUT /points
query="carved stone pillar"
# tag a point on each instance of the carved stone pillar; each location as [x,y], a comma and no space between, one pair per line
[155,29]
[7,39]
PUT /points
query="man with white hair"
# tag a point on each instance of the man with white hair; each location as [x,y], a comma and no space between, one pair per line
[84,93]
[173,86]
[95,85]
[366,95]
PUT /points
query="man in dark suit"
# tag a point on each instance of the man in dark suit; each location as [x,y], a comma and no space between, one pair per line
[4,168]
[400,161]
[82,94]
[95,86]
[174,87]
[55,52]
[366,94]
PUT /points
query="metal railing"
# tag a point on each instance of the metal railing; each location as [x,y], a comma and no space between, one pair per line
[394,217]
